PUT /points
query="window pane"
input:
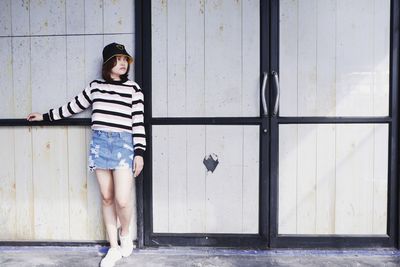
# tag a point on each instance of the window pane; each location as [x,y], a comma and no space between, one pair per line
[334,57]
[333,179]
[187,198]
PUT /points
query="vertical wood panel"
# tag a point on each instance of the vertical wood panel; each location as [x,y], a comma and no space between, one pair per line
[19,17]
[288,57]
[48,17]
[5,18]
[48,77]
[381,52]
[223,59]
[93,59]
[177,182]
[50,175]
[176,58]
[159,61]
[354,53]
[75,71]
[250,57]
[24,184]
[250,179]
[354,179]
[325,179]
[288,165]
[307,58]
[6,79]
[77,187]
[75,16]
[224,207]
[160,188]
[94,19]
[325,56]
[196,182]
[195,54]
[380,182]
[8,185]
[21,76]
[306,178]
[117,16]
[96,227]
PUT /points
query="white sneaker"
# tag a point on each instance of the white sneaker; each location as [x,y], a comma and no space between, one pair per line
[126,244]
[113,255]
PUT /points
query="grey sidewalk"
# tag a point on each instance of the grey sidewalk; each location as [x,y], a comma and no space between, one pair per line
[197,257]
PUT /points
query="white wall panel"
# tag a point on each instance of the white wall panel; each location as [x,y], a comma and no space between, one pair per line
[47,17]
[205,58]
[187,198]
[333,54]
[5,18]
[117,16]
[333,179]
[20,17]
[50,51]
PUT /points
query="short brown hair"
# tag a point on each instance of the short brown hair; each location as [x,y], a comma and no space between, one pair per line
[107,67]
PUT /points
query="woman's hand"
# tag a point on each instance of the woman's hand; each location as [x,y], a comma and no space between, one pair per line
[137,165]
[35,116]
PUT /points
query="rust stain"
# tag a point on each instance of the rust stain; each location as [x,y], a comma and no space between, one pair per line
[163,3]
[25,3]
[201,6]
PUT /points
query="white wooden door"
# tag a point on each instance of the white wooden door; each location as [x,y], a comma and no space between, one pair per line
[205,64]
[334,117]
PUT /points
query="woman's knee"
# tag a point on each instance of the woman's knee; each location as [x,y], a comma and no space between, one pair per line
[122,202]
[107,199]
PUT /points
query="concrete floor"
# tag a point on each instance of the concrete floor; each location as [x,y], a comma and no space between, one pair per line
[197,257]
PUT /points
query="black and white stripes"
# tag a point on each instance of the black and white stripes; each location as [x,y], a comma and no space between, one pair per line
[116,106]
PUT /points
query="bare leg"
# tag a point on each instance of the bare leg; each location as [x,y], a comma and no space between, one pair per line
[105,179]
[123,182]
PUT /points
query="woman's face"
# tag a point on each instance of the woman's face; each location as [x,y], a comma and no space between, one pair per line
[121,66]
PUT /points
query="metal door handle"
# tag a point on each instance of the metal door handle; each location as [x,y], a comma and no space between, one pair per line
[263,97]
[278,91]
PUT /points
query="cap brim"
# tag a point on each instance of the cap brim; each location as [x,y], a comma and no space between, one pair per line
[130,59]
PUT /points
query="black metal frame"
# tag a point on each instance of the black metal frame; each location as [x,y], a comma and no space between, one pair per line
[203,239]
[339,241]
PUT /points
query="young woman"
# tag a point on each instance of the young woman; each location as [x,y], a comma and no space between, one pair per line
[117,145]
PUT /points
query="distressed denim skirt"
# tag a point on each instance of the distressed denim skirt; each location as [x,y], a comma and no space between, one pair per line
[110,150]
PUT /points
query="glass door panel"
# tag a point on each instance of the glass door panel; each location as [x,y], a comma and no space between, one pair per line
[334,58]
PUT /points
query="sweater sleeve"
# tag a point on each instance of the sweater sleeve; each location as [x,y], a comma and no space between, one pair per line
[138,129]
[78,104]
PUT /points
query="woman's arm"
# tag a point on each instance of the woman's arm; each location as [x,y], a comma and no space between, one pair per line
[78,104]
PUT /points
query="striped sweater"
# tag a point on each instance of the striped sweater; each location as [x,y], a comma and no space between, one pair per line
[116,106]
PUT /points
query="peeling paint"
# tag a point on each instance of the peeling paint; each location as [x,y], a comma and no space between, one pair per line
[211,162]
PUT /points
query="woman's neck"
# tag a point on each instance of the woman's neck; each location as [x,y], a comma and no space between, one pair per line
[115,77]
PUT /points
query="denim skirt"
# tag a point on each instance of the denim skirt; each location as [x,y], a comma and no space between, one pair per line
[110,150]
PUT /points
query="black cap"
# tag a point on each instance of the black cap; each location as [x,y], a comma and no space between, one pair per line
[114,49]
